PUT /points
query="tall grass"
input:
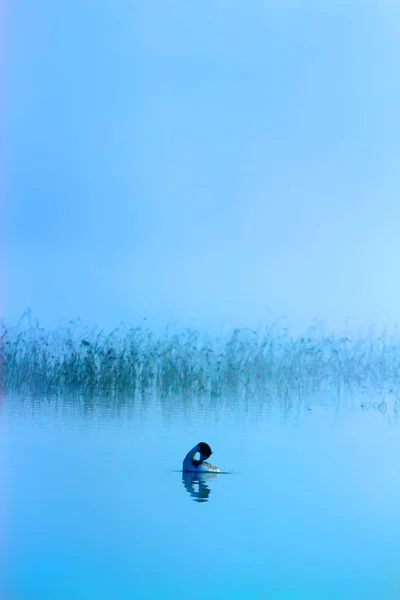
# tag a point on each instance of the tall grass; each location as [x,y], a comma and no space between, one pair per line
[77,360]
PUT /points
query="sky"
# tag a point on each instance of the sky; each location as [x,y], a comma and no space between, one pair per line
[212,162]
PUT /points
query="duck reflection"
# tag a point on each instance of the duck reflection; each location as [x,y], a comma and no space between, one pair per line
[196,484]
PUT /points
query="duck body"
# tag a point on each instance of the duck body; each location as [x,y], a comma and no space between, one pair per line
[199,465]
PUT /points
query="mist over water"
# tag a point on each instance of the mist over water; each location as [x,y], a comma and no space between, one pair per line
[202,212]
[305,431]
[96,504]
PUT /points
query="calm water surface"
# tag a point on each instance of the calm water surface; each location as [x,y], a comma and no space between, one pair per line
[95,506]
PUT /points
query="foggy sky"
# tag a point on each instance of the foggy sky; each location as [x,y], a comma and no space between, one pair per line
[206,162]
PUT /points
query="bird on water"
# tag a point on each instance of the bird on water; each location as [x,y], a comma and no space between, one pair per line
[195,460]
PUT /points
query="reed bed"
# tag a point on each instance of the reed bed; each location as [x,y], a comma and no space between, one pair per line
[75,360]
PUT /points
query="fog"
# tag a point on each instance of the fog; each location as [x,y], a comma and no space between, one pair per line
[215,164]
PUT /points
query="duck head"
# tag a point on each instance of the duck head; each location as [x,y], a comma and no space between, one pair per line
[204,451]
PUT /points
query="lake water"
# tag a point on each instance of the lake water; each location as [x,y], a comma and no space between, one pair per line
[95,506]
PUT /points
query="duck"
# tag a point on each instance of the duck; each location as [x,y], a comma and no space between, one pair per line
[199,465]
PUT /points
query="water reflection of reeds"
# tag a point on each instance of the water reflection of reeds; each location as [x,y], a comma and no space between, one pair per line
[127,362]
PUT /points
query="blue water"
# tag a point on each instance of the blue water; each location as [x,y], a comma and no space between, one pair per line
[95,507]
